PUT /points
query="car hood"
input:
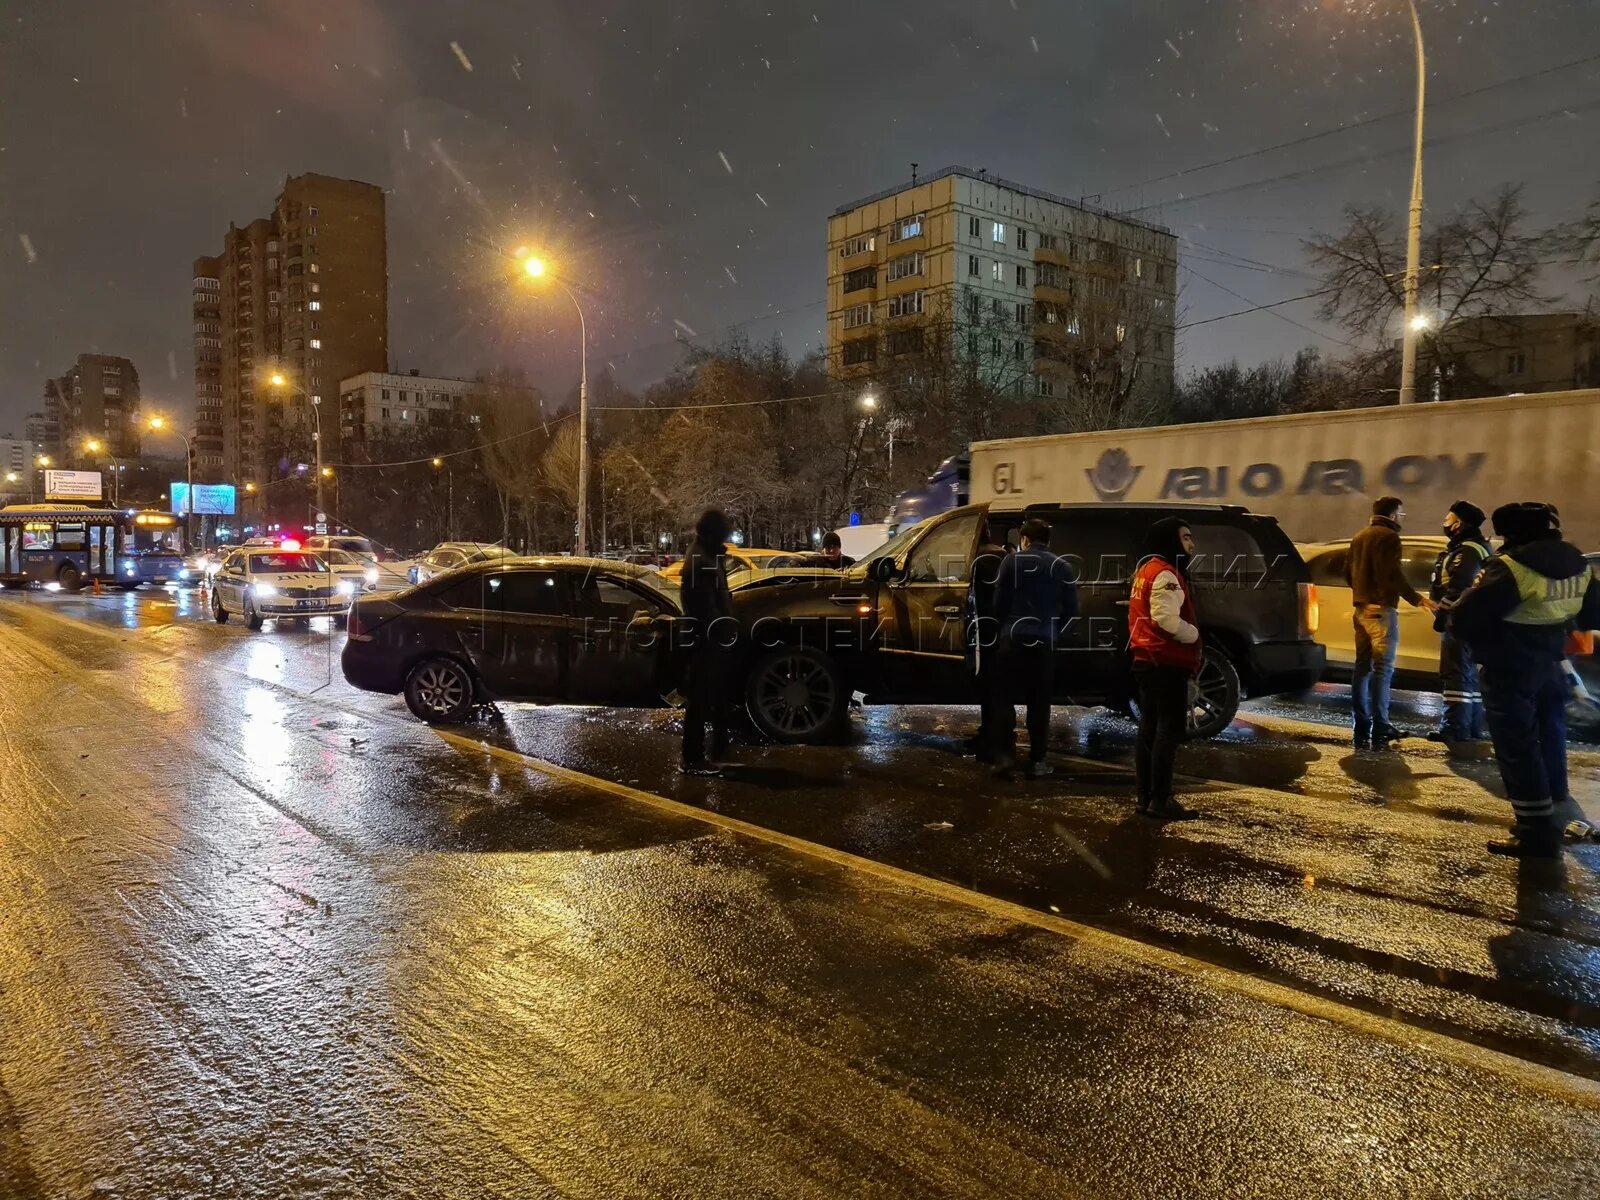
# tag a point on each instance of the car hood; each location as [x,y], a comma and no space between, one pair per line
[297,579]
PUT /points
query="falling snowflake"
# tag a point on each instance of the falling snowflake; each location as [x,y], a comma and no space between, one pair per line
[681,325]
[27,247]
[1176,53]
[461,55]
[725,161]
[763,200]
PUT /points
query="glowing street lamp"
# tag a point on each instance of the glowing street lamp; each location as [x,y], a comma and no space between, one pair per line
[536,268]
[278,380]
[96,446]
[161,425]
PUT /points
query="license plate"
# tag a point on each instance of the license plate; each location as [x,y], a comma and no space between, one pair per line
[308,603]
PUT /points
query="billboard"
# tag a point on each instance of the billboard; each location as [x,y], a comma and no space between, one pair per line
[214,499]
[72,485]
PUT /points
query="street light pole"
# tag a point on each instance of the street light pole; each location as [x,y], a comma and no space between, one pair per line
[1412,325]
[535,267]
[316,405]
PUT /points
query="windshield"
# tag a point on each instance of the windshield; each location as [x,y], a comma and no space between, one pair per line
[284,564]
[341,558]
[890,549]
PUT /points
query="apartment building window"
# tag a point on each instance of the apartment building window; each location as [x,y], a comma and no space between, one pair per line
[972,306]
[857,315]
[1047,386]
[906,265]
[859,244]
[385,414]
[1073,327]
[385,393]
[1100,287]
[998,308]
[905,341]
[315,305]
[315,288]
[1138,268]
[311,211]
[906,227]
[311,231]
[1022,275]
[859,351]
[1022,239]
[1122,332]
[995,348]
[973,266]
[1016,351]
[906,304]
[1022,314]
[974,228]
[1051,276]
[1000,233]
[1047,241]
[861,277]
[1516,363]
[997,271]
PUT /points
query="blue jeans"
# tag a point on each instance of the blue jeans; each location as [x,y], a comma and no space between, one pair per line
[1377,642]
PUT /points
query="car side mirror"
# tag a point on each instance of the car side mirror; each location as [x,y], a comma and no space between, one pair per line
[883,570]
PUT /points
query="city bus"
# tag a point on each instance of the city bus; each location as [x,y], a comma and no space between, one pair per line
[70,546]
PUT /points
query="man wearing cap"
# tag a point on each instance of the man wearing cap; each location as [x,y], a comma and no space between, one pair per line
[1515,619]
[1456,571]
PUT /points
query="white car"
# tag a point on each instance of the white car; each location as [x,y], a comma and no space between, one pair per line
[262,584]
[393,571]
[345,565]
[447,556]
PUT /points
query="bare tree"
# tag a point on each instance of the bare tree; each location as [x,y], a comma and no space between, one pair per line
[1480,266]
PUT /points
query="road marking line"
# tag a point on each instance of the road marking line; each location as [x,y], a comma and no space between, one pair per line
[1551,1081]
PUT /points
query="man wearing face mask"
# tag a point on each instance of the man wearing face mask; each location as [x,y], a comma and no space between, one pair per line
[1455,572]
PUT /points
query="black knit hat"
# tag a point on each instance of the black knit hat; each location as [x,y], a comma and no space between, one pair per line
[1523,522]
[1469,513]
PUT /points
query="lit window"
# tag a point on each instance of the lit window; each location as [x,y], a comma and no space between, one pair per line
[857,245]
[1138,268]
[316,343]
[905,228]
[997,271]
[315,288]
[1000,232]
[315,305]
[312,268]
[1122,331]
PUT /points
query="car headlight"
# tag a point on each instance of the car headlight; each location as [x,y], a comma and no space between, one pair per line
[345,588]
[183,572]
[371,576]
[128,568]
[263,589]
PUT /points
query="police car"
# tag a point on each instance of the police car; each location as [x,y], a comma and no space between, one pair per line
[263,583]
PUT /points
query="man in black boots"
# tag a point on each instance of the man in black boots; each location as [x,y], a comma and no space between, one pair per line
[1515,620]
[1456,571]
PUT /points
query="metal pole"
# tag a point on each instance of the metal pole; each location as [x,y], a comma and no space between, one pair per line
[583,426]
[316,406]
[1408,335]
[450,501]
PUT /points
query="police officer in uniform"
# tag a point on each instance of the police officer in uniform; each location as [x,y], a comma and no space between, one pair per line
[1515,620]
[1456,571]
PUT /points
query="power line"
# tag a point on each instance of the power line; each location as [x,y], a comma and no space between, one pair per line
[1568,110]
[1255,308]
[1326,133]
[1270,309]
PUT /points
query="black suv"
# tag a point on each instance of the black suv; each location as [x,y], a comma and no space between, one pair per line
[891,626]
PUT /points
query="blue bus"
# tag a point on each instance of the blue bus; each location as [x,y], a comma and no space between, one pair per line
[945,489]
[69,546]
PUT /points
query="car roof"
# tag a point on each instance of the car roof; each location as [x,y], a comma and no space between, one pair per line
[560,563]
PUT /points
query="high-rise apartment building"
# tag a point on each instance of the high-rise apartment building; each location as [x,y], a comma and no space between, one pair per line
[1040,291]
[300,297]
[43,428]
[96,400]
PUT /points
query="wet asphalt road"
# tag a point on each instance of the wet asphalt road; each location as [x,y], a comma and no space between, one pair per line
[268,936]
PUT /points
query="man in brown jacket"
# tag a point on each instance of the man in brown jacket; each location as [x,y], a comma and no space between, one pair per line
[1377,585]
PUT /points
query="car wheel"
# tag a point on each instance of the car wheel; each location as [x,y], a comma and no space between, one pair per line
[439,691]
[70,578]
[218,613]
[253,618]
[1214,695]
[796,694]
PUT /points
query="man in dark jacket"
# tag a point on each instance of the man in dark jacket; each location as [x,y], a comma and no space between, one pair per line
[1377,585]
[1456,571]
[710,635]
[1515,619]
[981,635]
[1035,596]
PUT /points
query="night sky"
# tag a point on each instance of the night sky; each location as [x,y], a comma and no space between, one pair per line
[680,159]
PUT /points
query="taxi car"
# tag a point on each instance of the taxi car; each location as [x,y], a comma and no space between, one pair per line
[264,584]
[1416,663]
[736,560]
[345,565]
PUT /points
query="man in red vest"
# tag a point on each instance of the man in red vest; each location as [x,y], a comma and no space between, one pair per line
[1165,640]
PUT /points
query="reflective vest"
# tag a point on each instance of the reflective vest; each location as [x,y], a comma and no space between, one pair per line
[1545,601]
[1149,642]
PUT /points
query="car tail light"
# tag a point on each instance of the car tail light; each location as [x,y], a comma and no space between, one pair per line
[1310,610]
[353,621]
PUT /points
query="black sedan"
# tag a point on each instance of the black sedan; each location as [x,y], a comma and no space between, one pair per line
[563,630]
